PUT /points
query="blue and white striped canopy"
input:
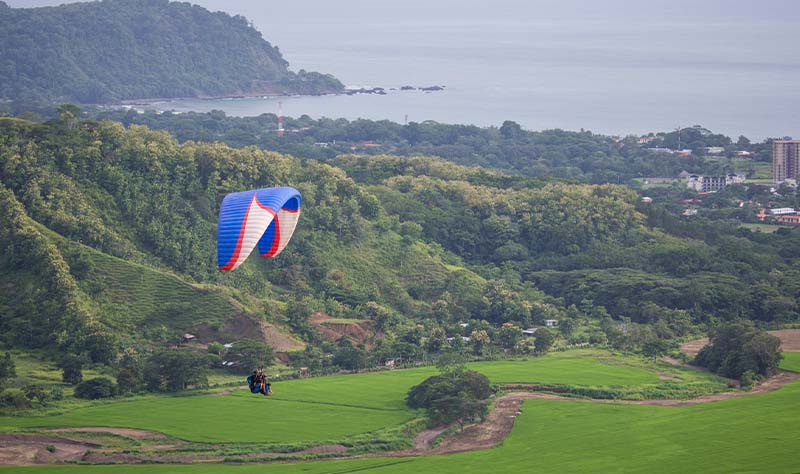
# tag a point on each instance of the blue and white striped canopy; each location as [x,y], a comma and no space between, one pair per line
[266,217]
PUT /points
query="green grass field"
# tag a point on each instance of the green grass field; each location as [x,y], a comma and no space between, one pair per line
[757,434]
[332,408]
[767,228]
[791,361]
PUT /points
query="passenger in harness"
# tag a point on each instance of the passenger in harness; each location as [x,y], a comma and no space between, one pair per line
[258,382]
[252,382]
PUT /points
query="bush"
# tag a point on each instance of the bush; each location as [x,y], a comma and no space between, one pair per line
[542,341]
[93,389]
[38,393]
[8,368]
[215,348]
[71,369]
[56,393]
[14,397]
[748,380]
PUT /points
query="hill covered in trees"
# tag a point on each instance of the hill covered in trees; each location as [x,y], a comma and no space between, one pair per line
[108,243]
[111,50]
[566,155]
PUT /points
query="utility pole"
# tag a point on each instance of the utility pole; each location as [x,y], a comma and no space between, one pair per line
[280,119]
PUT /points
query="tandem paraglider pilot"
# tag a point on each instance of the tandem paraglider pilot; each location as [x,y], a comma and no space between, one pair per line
[257,382]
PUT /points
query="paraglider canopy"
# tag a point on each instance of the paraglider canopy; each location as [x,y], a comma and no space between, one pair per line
[266,217]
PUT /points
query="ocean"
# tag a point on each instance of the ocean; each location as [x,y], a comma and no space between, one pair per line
[610,66]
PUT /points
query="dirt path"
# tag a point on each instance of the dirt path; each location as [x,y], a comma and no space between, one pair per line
[19,449]
[790,342]
[771,384]
[424,441]
[487,434]
[129,432]
[228,391]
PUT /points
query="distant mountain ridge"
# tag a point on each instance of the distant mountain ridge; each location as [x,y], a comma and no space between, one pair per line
[114,50]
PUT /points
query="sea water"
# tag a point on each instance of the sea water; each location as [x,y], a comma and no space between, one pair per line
[610,66]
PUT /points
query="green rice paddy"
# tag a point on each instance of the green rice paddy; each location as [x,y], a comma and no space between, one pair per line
[759,433]
[329,408]
[791,361]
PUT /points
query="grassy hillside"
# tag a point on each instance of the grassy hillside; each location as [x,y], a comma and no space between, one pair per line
[130,300]
[132,296]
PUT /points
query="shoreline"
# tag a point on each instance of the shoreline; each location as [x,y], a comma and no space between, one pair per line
[159,100]
[347,91]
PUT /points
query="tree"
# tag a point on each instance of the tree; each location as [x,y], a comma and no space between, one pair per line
[510,129]
[130,379]
[455,395]
[69,114]
[14,397]
[95,388]
[311,358]
[436,341]
[175,370]
[39,393]
[101,347]
[350,357]
[566,326]
[509,335]
[743,143]
[737,347]
[249,354]
[8,368]
[71,369]
[451,362]
[542,341]
[655,347]
[480,341]
[298,312]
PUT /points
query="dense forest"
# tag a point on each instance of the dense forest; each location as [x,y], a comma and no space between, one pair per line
[108,242]
[111,50]
[579,156]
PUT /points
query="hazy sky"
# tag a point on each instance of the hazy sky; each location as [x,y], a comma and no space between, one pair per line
[612,10]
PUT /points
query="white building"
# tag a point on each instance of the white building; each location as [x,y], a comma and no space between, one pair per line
[712,184]
[781,211]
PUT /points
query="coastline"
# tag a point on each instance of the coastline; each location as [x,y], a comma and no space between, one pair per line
[272,95]
[252,95]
